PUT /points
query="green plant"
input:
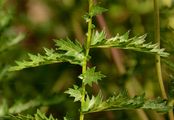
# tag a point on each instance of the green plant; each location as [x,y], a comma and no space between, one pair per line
[75,53]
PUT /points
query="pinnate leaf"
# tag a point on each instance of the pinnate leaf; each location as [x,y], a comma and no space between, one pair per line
[122,101]
[37,60]
[67,51]
[124,42]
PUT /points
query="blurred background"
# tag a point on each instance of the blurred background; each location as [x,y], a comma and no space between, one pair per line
[26,26]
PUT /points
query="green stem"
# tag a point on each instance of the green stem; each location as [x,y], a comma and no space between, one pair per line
[158,61]
[157,38]
[84,66]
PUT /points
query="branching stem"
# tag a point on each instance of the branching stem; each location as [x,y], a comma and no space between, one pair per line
[84,67]
[158,63]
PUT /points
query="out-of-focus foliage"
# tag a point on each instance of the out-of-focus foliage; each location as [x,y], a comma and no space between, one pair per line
[38,116]
[43,20]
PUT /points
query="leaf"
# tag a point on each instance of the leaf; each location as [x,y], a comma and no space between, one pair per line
[76,93]
[97,37]
[91,76]
[122,101]
[41,116]
[88,104]
[158,105]
[95,10]
[71,49]
[37,60]
[135,43]
[67,52]
[91,103]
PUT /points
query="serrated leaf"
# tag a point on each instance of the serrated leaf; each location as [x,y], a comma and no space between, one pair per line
[95,10]
[37,60]
[93,102]
[72,49]
[88,104]
[97,37]
[158,105]
[67,52]
[41,116]
[122,101]
[76,93]
[135,43]
[91,76]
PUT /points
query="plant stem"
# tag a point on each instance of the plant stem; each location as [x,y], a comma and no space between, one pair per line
[158,63]
[84,67]
[157,39]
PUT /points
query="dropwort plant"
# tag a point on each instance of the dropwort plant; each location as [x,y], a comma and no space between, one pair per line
[74,52]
